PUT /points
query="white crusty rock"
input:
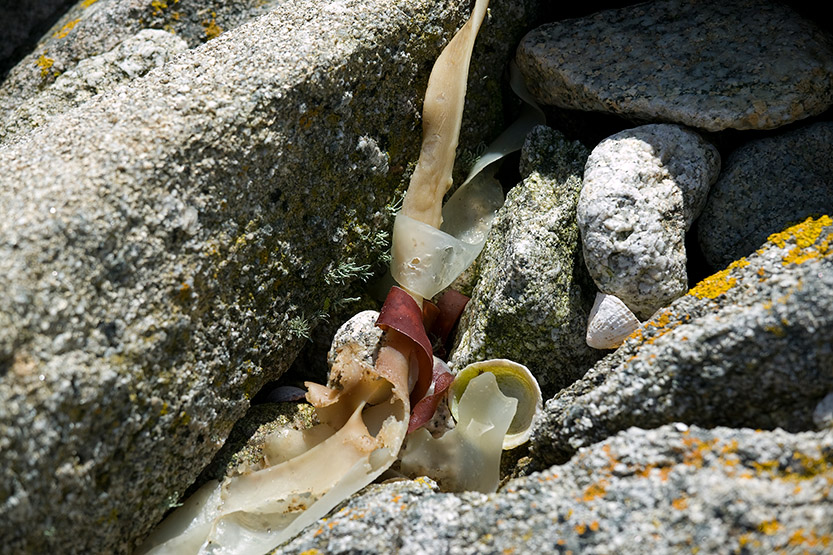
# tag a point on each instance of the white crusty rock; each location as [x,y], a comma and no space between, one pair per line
[750,64]
[643,188]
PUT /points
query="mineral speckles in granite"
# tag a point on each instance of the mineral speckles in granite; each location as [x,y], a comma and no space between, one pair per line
[749,346]
[660,491]
[750,64]
[131,58]
[93,27]
[160,253]
[765,186]
[642,189]
[533,295]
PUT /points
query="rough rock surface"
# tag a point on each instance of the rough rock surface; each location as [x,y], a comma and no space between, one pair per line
[643,188]
[132,58]
[750,64]
[765,186]
[749,346]
[161,256]
[663,491]
[533,294]
[93,27]
[19,21]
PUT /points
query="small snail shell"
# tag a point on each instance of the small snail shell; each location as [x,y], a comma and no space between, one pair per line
[610,322]
[513,380]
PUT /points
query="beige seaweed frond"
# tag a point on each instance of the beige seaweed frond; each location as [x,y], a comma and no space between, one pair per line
[442,115]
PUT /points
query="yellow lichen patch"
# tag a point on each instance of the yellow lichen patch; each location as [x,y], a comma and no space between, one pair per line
[769,527]
[748,539]
[311,552]
[64,31]
[44,64]
[805,238]
[88,3]
[158,6]
[212,30]
[802,538]
[803,234]
[717,284]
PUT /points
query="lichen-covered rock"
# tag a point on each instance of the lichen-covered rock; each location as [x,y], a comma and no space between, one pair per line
[751,345]
[533,293]
[643,187]
[94,27]
[660,491]
[132,58]
[766,186]
[165,247]
[750,64]
[19,21]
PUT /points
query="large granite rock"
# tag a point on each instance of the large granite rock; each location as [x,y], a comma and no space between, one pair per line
[750,64]
[129,59]
[533,294]
[93,27]
[751,345]
[643,188]
[165,246]
[663,491]
[766,186]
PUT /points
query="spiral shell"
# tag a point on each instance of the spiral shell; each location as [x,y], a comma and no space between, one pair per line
[610,322]
[513,380]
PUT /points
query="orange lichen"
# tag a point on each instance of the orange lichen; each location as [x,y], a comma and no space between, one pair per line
[664,322]
[697,449]
[809,538]
[680,503]
[64,31]
[595,490]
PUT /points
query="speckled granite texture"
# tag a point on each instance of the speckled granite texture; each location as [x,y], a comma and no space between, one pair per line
[749,346]
[748,64]
[642,189]
[767,185]
[533,293]
[93,27]
[663,491]
[165,246]
[130,59]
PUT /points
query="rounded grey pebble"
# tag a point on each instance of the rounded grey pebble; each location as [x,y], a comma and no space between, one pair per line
[643,188]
